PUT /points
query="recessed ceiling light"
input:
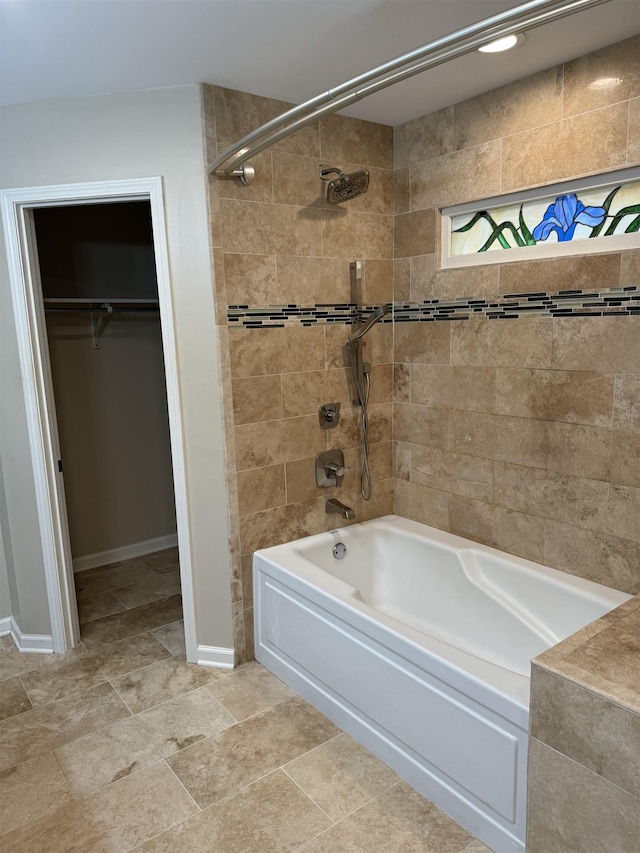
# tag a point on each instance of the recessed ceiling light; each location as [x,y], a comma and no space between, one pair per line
[505,43]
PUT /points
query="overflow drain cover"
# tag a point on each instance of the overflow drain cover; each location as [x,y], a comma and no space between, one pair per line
[340,551]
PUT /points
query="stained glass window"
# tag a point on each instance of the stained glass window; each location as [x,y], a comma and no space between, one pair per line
[585,218]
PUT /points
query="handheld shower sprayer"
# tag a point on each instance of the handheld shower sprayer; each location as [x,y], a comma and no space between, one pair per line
[360,371]
[378,313]
[344,187]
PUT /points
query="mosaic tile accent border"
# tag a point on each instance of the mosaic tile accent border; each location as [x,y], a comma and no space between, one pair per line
[615,301]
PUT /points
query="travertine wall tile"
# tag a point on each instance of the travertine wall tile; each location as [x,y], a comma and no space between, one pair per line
[381,384]
[630,259]
[402,279]
[422,343]
[415,233]
[592,272]
[591,142]
[517,440]
[296,181]
[587,728]
[624,512]
[378,281]
[469,476]
[626,402]
[527,342]
[220,290]
[608,344]
[257,398]
[307,281]
[356,235]
[424,138]
[633,147]
[454,387]
[348,432]
[513,108]
[260,488]
[573,808]
[239,113]
[624,463]
[421,425]
[270,442]
[304,393]
[514,532]
[618,62]
[356,141]
[582,451]
[282,524]
[549,495]
[555,395]
[401,383]
[454,178]
[250,279]
[401,191]
[421,503]
[428,282]
[402,460]
[255,352]
[260,189]
[593,555]
[267,229]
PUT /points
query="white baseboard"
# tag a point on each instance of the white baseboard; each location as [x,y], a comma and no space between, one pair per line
[213,656]
[40,643]
[5,626]
[125,552]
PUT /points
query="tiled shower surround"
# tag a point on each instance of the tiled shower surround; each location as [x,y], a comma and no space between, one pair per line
[521,431]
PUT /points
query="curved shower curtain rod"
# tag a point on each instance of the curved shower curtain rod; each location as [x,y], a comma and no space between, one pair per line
[232,163]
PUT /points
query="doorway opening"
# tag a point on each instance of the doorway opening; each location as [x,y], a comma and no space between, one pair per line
[100,295]
[20,207]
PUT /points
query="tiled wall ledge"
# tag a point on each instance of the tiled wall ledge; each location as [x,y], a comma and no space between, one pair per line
[613,301]
[584,775]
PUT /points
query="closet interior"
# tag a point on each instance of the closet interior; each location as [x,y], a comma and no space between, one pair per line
[100,294]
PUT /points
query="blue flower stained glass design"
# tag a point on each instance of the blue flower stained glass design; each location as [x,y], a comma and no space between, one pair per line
[563,216]
[581,215]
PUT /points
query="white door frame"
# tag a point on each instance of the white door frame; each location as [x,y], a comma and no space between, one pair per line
[28,308]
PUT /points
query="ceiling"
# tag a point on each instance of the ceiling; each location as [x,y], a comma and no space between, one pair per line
[286,49]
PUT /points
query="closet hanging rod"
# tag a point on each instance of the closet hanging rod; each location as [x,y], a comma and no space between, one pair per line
[232,163]
[97,305]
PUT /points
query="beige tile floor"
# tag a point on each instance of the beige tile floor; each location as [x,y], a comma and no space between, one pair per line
[121,745]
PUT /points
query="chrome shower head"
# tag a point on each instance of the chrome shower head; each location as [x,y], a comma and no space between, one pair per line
[344,187]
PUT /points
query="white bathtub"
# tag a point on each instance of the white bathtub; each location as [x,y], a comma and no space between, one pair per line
[418,644]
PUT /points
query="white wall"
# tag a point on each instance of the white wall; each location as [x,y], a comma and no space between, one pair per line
[5,596]
[18,511]
[111,408]
[113,137]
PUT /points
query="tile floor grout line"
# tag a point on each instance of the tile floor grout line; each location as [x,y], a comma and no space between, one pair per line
[347,817]
[24,687]
[106,680]
[120,601]
[132,713]
[93,731]
[306,793]
[191,797]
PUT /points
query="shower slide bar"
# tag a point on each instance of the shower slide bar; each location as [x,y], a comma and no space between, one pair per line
[233,163]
